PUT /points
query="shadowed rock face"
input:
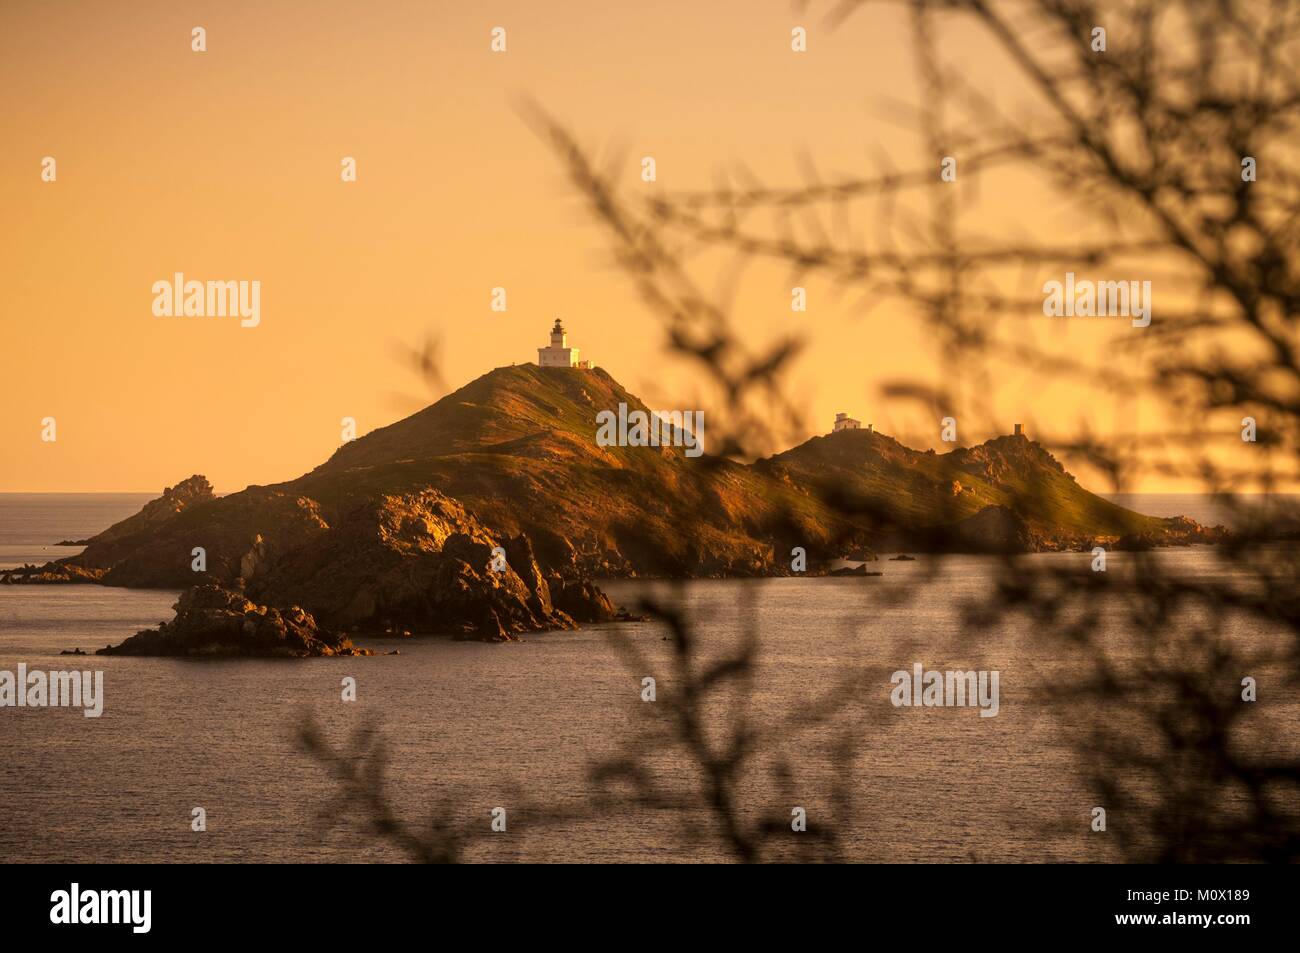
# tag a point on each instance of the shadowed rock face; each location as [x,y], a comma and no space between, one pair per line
[415,561]
[211,621]
[227,530]
[419,561]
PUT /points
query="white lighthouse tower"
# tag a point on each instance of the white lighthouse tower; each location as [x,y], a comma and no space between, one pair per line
[558,353]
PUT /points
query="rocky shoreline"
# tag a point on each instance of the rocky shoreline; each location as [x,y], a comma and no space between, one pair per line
[51,573]
[273,577]
[211,621]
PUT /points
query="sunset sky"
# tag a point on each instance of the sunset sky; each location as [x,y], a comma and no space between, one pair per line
[226,165]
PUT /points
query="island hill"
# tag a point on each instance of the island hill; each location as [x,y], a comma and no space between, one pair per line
[404,529]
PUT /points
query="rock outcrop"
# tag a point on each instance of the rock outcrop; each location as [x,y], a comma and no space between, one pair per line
[419,561]
[51,572]
[212,621]
[174,501]
[415,561]
[227,531]
[855,571]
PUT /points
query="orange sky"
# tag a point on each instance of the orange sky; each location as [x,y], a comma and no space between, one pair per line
[225,165]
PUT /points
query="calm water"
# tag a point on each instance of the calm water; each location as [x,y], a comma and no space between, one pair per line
[31,523]
[469,727]
[1206,510]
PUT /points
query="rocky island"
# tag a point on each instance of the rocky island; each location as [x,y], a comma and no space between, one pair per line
[492,512]
[215,621]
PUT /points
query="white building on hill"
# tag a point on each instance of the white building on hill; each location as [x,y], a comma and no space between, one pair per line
[558,353]
[845,422]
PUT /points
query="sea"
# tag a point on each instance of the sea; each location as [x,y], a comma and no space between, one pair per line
[206,760]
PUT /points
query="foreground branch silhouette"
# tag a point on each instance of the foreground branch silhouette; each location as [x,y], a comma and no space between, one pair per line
[1147,141]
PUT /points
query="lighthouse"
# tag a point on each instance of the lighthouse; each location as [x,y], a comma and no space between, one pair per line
[845,422]
[558,353]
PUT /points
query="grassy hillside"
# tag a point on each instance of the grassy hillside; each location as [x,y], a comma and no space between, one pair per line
[517,446]
[873,474]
